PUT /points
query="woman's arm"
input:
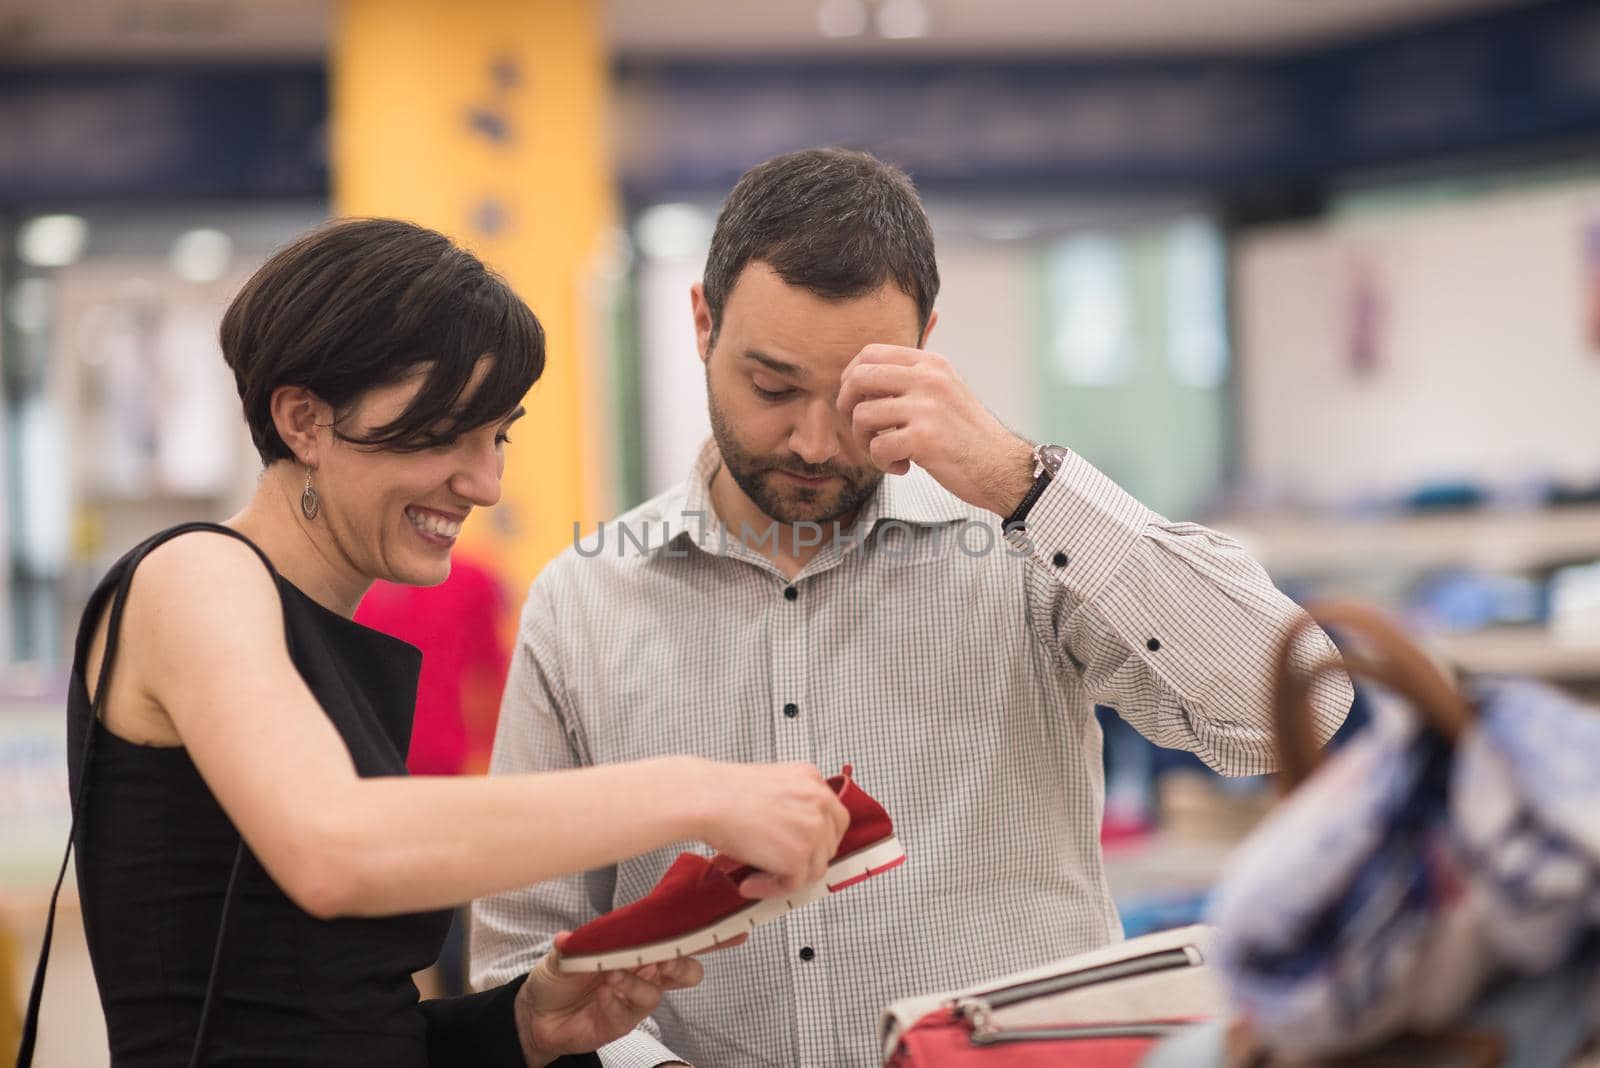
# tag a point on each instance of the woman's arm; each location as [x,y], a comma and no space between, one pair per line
[203,641]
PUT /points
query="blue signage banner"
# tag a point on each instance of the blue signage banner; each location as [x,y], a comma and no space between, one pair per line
[69,135]
[1507,80]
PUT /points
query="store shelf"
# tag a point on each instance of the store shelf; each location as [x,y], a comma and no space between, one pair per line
[1520,651]
[1299,546]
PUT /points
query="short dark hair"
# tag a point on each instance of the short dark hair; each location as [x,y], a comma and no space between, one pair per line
[361,303]
[829,220]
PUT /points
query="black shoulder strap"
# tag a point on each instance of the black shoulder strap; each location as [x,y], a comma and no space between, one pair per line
[119,600]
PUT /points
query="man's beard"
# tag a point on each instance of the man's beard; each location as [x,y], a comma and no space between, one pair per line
[785,501]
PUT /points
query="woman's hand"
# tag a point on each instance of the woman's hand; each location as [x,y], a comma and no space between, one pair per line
[559,1013]
[783,819]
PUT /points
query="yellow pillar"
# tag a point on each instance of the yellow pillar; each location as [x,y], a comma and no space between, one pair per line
[484,119]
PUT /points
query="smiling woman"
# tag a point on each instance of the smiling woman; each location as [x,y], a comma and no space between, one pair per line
[395,361]
[259,878]
[375,302]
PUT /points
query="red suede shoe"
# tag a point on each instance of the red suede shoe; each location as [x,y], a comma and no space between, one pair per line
[697,904]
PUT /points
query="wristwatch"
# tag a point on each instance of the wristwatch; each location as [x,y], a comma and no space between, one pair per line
[1047,461]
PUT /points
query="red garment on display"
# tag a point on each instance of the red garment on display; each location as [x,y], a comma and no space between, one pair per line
[456,624]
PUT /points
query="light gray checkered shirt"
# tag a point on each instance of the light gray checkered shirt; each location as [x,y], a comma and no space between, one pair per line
[956,671]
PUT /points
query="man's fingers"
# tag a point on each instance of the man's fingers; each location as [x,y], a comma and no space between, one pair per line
[680,974]
[867,380]
[891,450]
[672,974]
[881,413]
[887,354]
[633,992]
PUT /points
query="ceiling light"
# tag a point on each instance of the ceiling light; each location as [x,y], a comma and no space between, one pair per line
[201,255]
[842,18]
[52,240]
[900,19]
[673,231]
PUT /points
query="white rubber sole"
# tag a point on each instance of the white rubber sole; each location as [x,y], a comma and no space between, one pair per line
[842,873]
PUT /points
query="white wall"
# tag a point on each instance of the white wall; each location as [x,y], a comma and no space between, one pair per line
[985,327]
[1485,369]
[672,379]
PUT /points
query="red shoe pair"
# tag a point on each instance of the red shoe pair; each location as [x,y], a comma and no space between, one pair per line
[697,904]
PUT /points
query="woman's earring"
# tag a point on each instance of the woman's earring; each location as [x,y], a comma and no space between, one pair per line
[310,505]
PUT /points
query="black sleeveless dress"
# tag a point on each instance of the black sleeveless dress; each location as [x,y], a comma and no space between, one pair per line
[154,853]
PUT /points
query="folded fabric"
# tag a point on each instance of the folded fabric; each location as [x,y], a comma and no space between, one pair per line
[1525,805]
[1539,1020]
[1390,887]
[1325,913]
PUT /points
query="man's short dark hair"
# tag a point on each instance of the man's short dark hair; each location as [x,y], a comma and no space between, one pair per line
[834,222]
[363,303]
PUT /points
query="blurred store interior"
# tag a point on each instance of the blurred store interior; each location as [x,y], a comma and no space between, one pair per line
[1324,275]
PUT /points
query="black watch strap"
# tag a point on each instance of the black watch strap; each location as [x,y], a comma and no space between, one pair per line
[1018,519]
[1047,460]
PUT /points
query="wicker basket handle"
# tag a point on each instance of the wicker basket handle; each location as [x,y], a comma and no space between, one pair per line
[1375,649]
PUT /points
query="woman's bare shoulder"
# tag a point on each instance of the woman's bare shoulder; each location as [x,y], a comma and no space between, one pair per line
[190,599]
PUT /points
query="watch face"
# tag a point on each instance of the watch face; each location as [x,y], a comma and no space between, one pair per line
[1051,457]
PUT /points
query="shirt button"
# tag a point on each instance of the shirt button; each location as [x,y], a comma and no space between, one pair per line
[791,710]
[1154,645]
[790,593]
[807,954]
[1059,559]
